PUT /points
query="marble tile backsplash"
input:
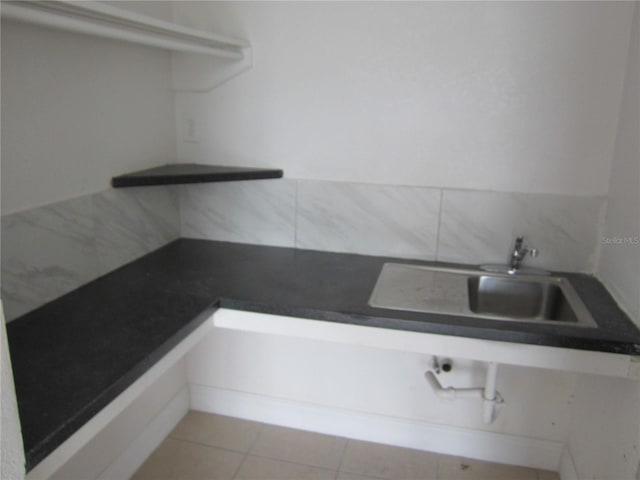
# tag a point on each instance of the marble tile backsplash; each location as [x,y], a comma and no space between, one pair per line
[257,211]
[371,219]
[51,250]
[479,227]
[46,252]
[133,222]
[463,226]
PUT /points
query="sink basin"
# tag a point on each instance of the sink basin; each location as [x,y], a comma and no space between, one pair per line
[478,294]
[518,298]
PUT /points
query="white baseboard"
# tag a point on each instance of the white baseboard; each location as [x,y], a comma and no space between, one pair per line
[567,470]
[489,446]
[155,432]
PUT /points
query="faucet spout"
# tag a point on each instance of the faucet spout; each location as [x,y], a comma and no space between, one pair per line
[516,257]
[518,254]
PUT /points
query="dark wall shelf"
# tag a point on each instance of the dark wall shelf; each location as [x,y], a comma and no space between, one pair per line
[179,173]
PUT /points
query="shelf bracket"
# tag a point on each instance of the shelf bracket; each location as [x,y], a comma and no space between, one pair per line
[193,73]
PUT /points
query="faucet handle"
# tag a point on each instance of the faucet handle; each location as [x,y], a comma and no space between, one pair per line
[519,248]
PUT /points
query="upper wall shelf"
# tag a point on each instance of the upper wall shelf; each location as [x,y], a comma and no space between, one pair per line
[228,56]
[180,173]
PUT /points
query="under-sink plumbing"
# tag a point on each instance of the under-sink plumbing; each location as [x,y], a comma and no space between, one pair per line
[442,364]
[490,396]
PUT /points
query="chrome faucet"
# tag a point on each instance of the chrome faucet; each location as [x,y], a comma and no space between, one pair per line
[519,252]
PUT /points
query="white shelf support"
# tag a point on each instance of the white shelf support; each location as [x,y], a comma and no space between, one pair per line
[191,74]
[216,57]
[508,353]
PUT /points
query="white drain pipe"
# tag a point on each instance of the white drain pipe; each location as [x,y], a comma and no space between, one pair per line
[451,393]
[489,395]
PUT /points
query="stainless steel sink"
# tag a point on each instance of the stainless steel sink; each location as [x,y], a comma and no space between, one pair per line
[478,294]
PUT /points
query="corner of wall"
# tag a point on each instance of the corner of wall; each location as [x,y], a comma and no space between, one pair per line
[567,470]
[619,257]
[87,237]
[11,448]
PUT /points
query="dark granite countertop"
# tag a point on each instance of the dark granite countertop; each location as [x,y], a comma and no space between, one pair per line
[74,355]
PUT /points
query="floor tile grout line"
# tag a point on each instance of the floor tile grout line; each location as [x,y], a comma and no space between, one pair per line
[366,475]
[257,439]
[217,447]
[438,466]
[229,449]
[297,430]
[290,461]
[235,473]
[344,453]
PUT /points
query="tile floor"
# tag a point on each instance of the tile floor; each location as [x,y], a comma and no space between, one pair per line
[205,446]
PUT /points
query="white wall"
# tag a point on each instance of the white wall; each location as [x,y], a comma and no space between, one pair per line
[519,96]
[605,430]
[77,110]
[603,438]
[619,265]
[11,449]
